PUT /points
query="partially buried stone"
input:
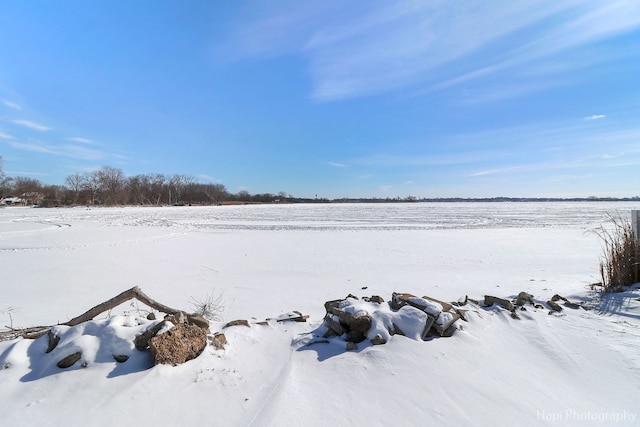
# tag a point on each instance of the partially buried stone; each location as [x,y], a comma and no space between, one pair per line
[179,344]
[53,341]
[142,341]
[198,320]
[241,322]
[69,360]
[219,341]
[378,340]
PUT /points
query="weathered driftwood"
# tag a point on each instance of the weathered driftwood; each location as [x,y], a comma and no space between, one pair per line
[28,333]
[134,292]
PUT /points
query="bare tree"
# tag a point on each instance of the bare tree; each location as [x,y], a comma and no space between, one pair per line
[91,183]
[28,189]
[4,181]
[178,186]
[156,187]
[110,183]
[217,193]
[75,183]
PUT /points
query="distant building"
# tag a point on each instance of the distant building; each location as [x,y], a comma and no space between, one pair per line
[9,201]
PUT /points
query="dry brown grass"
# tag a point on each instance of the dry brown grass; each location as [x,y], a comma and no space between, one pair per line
[210,308]
[620,264]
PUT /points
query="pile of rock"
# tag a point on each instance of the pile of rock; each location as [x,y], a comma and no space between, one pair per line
[375,319]
[180,337]
[524,299]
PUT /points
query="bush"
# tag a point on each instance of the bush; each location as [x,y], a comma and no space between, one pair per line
[620,264]
[210,308]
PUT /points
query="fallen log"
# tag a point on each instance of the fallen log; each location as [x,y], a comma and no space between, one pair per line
[134,292]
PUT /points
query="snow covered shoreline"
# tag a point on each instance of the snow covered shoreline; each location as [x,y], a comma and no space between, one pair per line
[267,260]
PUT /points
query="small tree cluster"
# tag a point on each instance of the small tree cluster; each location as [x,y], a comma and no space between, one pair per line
[109,186]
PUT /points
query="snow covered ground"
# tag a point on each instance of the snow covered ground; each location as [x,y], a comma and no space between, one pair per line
[577,368]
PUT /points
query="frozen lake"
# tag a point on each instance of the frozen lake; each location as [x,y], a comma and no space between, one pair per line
[307,253]
[265,260]
[383,216]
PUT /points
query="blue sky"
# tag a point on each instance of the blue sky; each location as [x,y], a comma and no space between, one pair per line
[430,98]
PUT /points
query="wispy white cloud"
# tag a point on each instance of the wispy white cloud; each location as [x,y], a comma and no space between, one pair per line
[4,135]
[611,156]
[502,92]
[338,165]
[595,117]
[31,125]
[81,140]
[375,48]
[25,173]
[12,105]
[72,151]
[425,159]
[208,178]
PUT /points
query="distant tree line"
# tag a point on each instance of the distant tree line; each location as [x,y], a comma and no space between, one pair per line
[109,186]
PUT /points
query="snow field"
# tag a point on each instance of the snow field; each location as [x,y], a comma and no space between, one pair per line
[576,368]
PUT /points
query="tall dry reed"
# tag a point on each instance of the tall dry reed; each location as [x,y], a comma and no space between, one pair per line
[620,263]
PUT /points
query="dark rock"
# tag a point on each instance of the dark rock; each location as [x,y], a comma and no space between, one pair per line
[567,303]
[176,318]
[294,316]
[445,305]
[179,344]
[399,300]
[448,333]
[461,301]
[427,326]
[352,296]
[351,346]
[240,322]
[378,340]
[490,300]
[151,316]
[333,324]
[358,326]
[554,306]
[462,313]
[442,329]
[524,298]
[142,341]
[332,306]
[571,304]
[397,330]
[120,358]
[53,341]
[69,360]
[218,341]
[199,321]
